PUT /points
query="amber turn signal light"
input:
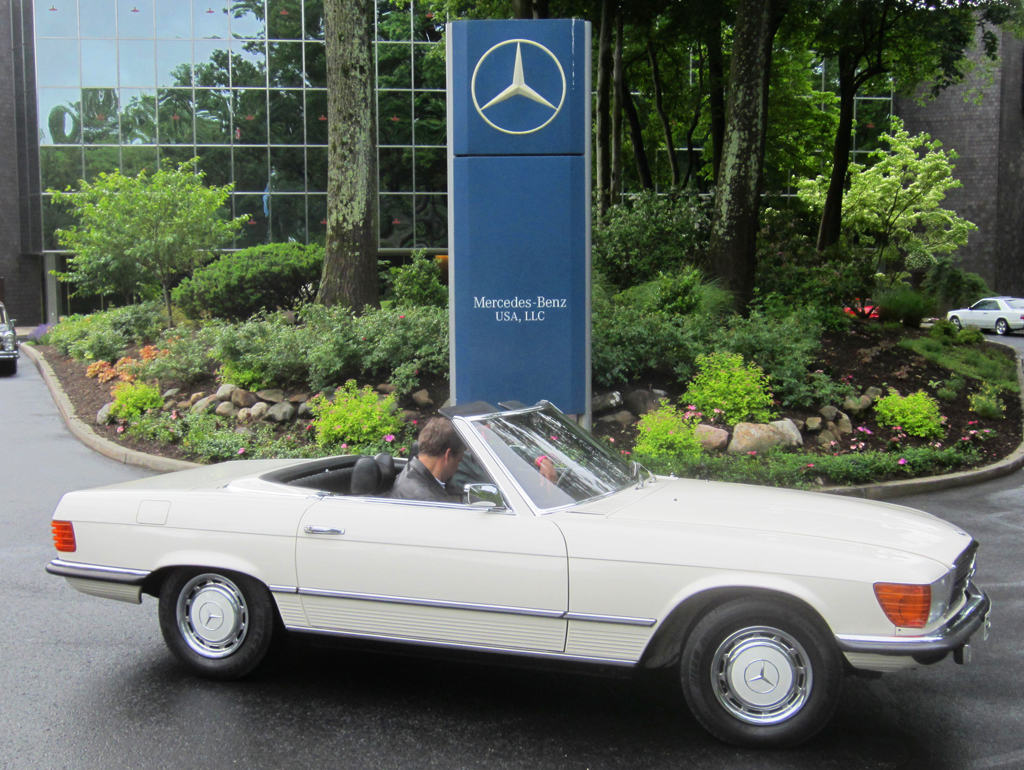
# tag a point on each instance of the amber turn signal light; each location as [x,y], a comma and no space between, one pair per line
[63,536]
[907,606]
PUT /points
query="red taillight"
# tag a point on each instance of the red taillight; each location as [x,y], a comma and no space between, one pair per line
[63,536]
[907,606]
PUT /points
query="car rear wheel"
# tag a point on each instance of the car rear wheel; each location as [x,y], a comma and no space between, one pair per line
[761,673]
[955,321]
[1002,327]
[219,624]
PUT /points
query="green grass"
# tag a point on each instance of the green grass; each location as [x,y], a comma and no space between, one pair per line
[980,363]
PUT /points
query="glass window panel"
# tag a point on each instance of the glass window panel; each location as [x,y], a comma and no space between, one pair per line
[138,116]
[316,117]
[248,64]
[98,18]
[286,65]
[431,170]
[101,160]
[173,20]
[60,167]
[314,19]
[394,65]
[251,169]
[213,117]
[174,63]
[137,63]
[431,221]
[396,221]
[59,121]
[288,218]
[215,163]
[393,23]
[287,169]
[287,122]
[100,110]
[175,115]
[429,66]
[57,63]
[316,169]
[208,21]
[250,111]
[872,121]
[427,25]
[55,215]
[254,230]
[317,218]
[394,117]
[175,155]
[284,19]
[395,169]
[56,18]
[431,120]
[212,63]
[136,159]
[135,18]
[99,63]
[316,65]
[247,20]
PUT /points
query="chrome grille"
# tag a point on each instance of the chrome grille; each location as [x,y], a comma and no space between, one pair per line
[964,567]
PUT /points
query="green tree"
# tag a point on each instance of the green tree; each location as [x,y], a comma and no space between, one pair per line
[141,233]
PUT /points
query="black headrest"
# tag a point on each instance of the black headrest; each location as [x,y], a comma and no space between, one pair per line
[414,450]
[366,477]
[387,467]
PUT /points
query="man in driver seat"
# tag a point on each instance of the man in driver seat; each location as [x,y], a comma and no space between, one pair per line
[426,476]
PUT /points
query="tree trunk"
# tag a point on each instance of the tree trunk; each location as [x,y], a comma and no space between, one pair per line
[604,133]
[350,263]
[636,136]
[832,214]
[616,186]
[716,96]
[738,192]
[666,126]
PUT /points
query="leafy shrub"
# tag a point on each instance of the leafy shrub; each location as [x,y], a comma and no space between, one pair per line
[419,283]
[665,433]
[103,336]
[240,284]
[971,335]
[954,287]
[333,345]
[187,360]
[262,352]
[918,414]
[907,306]
[738,389]
[133,398]
[356,421]
[987,401]
[401,344]
[944,331]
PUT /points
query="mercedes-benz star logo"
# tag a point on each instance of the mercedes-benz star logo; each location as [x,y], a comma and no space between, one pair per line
[761,677]
[518,86]
[210,616]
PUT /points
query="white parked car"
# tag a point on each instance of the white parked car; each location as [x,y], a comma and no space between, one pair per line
[758,600]
[1000,314]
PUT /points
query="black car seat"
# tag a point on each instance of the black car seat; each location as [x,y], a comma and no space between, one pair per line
[366,477]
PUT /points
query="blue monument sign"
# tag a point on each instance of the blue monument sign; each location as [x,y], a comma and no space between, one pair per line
[519,211]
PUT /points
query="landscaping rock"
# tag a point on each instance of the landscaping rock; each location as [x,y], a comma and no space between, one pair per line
[298,398]
[259,410]
[409,415]
[813,424]
[609,418]
[244,414]
[873,393]
[282,412]
[273,395]
[386,388]
[788,427]
[852,405]
[225,409]
[204,405]
[172,393]
[196,397]
[605,402]
[422,399]
[828,412]
[843,424]
[625,417]
[224,392]
[640,402]
[826,437]
[305,411]
[183,404]
[243,398]
[755,437]
[243,431]
[712,439]
[103,415]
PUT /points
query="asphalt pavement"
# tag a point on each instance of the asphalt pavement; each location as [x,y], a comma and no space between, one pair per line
[87,682]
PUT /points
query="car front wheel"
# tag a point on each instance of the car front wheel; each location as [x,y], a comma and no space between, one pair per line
[761,673]
[955,321]
[1002,327]
[219,624]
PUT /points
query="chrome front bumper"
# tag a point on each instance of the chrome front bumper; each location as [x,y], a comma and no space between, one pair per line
[954,635]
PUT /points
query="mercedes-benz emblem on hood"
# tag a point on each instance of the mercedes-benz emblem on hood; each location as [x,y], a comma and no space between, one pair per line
[519,87]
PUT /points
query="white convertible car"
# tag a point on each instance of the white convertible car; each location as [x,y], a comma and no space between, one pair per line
[760,600]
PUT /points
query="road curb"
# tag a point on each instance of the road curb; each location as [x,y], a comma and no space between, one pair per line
[88,436]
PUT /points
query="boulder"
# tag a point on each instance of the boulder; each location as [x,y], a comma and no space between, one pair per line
[813,424]
[259,410]
[241,430]
[272,395]
[243,399]
[788,427]
[305,411]
[640,402]
[196,397]
[605,401]
[755,437]
[282,412]
[828,412]
[299,398]
[103,415]
[386,388]
[843,424]
[225,409]
[244,414]
[852,405]
[409,415]
[826,437]
[625,417]
[224,392]
[873,393]
[422,399]
[204,405]
[172,393]
[712,439]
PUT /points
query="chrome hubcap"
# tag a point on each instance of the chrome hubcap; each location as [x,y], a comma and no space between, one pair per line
[761,675]
[212,616]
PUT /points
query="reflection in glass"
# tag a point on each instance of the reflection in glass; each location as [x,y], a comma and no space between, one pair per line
[60,167]
[101,160]
[174,63]
[209,21]
[428,26]
[99,63]
[316,65]
[136,159]
[175,115]
[251,169]
[211,63]
[316,169]
[395,165]
[394,65]
[287,120]
[431,221]
[314,13]
[57,63]
[317,208]
[284,19]
[100,108]
[137,63]
[316,117]
[429,66]
[286,65]
[215,163]
[175,155]
[173,20]
[248,64]
[54,216]
[247,19]
[394,121]
[138,116]
[431,119]
[396,230]
[97,19]
[287,169]
[62,21]
[135,18]
[254,230]
[872,121]
[392,23]
[59,121]
[213,116]
[250,110]
[431,170]
[288,218]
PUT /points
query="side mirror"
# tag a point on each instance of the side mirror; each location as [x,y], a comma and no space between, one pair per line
[482,496]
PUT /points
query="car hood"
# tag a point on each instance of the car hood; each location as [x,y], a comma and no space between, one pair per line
[787,512]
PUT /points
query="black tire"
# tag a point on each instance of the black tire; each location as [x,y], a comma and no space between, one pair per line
[219,624]
[1002,327]
[9,368]
[761,673]
[956,322]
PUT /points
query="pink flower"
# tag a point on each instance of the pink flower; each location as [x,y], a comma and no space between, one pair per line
[751,453]
[902,461]
[120,429]
[241,451]
[344,446]
[174,415]
[390,437]
[810,465]
[401,317]
[415,422]
[611,439]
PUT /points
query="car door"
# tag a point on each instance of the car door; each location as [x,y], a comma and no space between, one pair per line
[433,573]
[983,314]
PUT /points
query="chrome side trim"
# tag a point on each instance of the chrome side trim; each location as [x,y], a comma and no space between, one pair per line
[459,646]
[97,572]
[620,619]
[432,603]
[951,636]
[283,589]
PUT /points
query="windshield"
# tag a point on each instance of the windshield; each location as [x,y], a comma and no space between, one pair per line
[554,461]
[3,316]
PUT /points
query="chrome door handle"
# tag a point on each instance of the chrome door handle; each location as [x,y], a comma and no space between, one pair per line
[323,531]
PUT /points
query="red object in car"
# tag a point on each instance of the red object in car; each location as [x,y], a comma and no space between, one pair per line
[861,309]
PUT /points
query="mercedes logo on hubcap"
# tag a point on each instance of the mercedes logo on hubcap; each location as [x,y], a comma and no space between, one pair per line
[519,87]
[761,676]
[210,616]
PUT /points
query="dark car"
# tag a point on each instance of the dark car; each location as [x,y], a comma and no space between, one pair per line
[8,344]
